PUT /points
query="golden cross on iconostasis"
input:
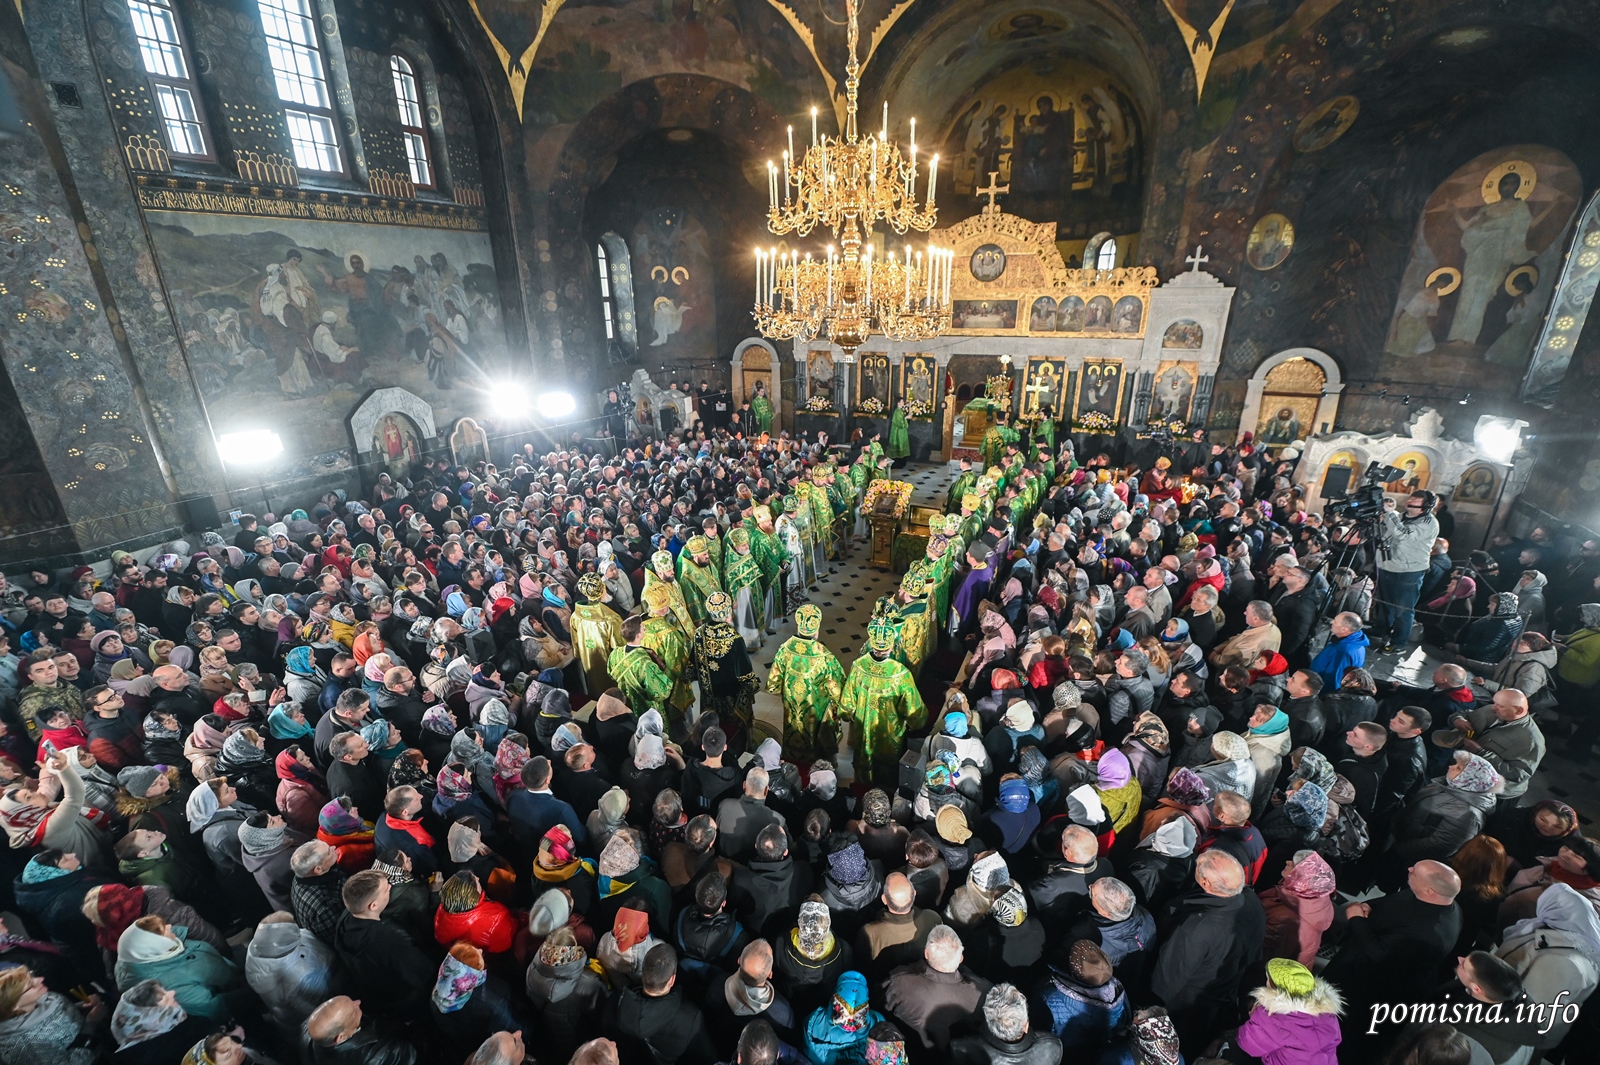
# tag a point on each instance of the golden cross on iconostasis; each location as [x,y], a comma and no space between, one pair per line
[992,191]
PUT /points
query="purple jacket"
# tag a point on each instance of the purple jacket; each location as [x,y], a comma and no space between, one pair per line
[1284,1030]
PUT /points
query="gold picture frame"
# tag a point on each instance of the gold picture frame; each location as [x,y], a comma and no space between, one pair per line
[1101,383]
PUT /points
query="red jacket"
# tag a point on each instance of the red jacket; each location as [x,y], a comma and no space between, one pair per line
[489,926]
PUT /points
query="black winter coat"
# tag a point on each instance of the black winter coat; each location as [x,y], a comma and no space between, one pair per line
[1207,944]
[1436,822]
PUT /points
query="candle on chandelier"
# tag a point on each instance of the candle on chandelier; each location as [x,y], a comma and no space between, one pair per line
[907,296]
[913,138]
[785,180]
[772,183]
[813,127]
[911,172]
[791,140]
[933,178]
[772,273]
[884,136]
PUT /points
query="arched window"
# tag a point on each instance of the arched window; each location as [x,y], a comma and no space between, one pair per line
[301,73]
[607,308]
[1106,257]
[409,100]
[166,61]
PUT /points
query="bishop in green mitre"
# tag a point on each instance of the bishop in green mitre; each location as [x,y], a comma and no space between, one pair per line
[880,697]
[697,573]
[808,678]
[741,577]
[596,632]
[669,641]
[639,671]
[663,571]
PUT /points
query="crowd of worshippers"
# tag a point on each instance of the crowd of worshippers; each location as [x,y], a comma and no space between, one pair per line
[472,771]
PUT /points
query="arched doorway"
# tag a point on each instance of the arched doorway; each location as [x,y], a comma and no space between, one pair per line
[1305,383]
[754,362]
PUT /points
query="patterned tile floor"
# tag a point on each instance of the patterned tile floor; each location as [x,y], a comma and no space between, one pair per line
[846,596]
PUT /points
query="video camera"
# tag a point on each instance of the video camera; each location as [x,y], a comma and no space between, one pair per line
[1365,503]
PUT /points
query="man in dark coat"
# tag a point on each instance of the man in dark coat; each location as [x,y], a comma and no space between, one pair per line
[386,968]
[1406,763]
[1061,895]
[1295,614]
[1307,723]
[1211,937]
[357,773]
[1394,944]
[1364,762]
[656,1019]
[337,1036]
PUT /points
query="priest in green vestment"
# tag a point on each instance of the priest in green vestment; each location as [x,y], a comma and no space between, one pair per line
[899,433]
[639,671]
[698,575]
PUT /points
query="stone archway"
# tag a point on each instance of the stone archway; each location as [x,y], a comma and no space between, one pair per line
[754,360]
[1326,406]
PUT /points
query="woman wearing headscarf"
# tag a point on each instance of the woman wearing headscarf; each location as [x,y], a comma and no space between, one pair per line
[1148,751]
[108,651]
[608,818]
[836,1034]
[1010,824]
[808,962]
[466,914]
[302,789]
[1299,907]
[1538,831]
[509,758]
[244,762]
[621,951]
[1231,768]
[1490,638]
[1119,790]
[151,1028]
[1444,616]
[566,993]
[476,757]
[1444,813]
[341,827]
[467,1003]
[205,983]
[456,797]
[39,1025]
[302,677]
[1555,951]
[33,819]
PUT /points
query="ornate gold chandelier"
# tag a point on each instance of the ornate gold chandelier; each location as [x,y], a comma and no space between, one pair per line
[848,185]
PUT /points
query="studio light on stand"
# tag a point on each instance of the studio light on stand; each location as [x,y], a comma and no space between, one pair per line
[1498,437]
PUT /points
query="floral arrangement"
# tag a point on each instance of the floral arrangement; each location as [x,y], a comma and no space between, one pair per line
[1095,422]
[917,408]
[870,405]
[818,404]
[898,491]
[1175,426]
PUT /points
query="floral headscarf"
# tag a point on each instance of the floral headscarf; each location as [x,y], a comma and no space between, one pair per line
[509,758]
[1313,767]
[132,1025]
[439,720]
[1312,878]
[1306,807]
[457,981]
[454,784]
[1477,774]
[851,1008]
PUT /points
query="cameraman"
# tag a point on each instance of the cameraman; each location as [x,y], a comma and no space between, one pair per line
[1406,548]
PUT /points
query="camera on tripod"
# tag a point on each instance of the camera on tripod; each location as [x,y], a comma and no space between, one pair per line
[1364,503]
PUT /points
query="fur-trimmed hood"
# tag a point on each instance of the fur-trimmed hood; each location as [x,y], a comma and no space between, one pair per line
[1324,998]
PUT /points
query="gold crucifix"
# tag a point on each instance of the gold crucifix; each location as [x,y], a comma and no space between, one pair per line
[992,191]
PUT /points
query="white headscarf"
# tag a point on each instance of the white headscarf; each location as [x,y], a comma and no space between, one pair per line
[1562,908]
